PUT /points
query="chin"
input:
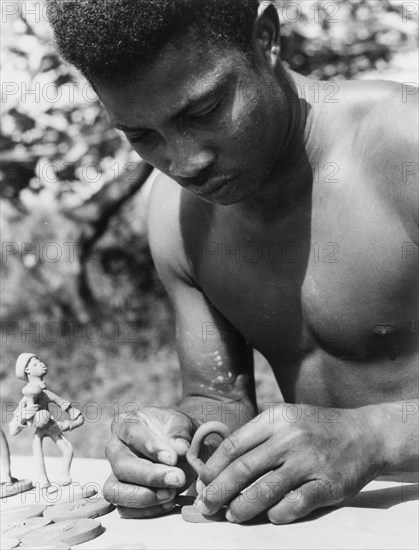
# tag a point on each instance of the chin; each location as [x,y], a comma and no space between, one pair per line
[225,200]
[237,197]
[228,195]
[228,201]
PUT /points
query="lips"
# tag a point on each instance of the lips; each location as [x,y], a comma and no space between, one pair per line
[208,191]
[212,185]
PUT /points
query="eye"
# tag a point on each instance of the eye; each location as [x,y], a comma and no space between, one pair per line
[209,111]
[141,138]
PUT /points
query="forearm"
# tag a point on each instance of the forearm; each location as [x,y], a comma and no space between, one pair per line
[397,426]
[234,413]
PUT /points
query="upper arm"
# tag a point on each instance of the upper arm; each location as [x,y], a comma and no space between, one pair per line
[395,153]
[215,360]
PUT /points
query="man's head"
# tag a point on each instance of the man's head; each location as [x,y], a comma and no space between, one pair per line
[111,38]
[28,364]
[196,85]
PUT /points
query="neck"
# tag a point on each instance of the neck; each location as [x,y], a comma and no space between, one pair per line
[35,379]
[290,176]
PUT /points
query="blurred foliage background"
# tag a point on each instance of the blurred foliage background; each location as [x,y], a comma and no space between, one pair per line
[77,283]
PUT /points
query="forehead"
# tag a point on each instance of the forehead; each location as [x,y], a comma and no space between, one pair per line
[179,73]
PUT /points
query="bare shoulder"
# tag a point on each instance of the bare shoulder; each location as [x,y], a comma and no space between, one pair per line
[394,124]
[378,106]
[178,222]
[394,110]
[164,233]
[385,130]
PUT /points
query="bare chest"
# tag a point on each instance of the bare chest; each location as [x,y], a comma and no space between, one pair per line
[342,282]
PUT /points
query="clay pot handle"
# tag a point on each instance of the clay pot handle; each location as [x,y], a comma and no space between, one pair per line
[201,433]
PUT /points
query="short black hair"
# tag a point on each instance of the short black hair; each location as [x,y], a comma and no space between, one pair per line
[111,38]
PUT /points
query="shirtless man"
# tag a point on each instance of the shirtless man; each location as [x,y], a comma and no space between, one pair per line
[285,220]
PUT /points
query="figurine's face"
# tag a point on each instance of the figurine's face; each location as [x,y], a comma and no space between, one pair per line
[36,367]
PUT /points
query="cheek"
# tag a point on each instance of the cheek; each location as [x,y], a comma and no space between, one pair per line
[250,114]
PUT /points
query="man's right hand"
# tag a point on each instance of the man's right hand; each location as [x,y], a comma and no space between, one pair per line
[147,455]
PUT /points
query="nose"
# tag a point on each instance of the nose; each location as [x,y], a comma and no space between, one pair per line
[188,159]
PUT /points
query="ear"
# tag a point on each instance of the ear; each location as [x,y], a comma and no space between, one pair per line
[27,368]
[267,31]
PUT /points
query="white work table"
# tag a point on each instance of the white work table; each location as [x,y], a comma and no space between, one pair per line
[384,515]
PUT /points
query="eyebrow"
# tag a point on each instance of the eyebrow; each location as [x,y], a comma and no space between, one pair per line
[200,97]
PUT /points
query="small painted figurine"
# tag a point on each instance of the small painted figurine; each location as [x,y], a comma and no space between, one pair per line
[9,485]
[33,410]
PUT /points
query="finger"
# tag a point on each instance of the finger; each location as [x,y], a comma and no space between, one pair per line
[264,494]
[200,487]
[238,443]
[304,500]
[190,474]
[180,426]
[129,468]
[141,439]
[237,476]
[180,445]
[169,425]
[141,513]
[134,496]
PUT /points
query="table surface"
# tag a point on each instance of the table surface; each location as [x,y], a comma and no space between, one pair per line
[384,515]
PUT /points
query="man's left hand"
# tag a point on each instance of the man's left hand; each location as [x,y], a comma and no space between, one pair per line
[309,457]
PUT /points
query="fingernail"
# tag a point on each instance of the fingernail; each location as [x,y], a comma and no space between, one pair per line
[164,494]
[165,457]
[172,478]
[230,517]
[203,508]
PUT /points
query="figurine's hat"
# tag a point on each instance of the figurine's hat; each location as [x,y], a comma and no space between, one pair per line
[21,364]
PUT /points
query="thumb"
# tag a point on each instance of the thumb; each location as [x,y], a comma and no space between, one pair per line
[180,430]
[179,445]
[159,434]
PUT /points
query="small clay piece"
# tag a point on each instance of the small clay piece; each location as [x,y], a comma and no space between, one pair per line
[9,485]
[33,410]
[8,544]
[71,532]
[55,494]
[81,508]
[201,433]
[85,491]
[18,529]
[191,514]
[15,487]
[20,513]
[52,546]
[128,546]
